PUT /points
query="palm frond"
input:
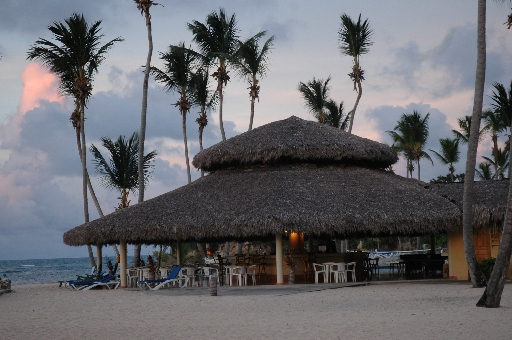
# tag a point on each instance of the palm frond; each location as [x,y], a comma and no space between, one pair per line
[75,56]
[354,37]
[120,171]
[502,103]
[315,93]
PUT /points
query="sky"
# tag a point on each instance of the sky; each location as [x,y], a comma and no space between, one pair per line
[423,58]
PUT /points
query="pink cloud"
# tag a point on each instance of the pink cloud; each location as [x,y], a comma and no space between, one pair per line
[38,85]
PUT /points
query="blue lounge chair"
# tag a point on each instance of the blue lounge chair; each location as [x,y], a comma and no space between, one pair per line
[108,281]
[171,278]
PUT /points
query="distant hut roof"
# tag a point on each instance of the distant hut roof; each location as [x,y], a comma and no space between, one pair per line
[490,200]
[291,174]
[294,140]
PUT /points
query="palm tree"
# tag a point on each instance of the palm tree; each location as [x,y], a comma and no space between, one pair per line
[449,153]
[410,135]
[495,125]
[218,41]
[492,294]
[467,205]
[500,162]
[251,62]
[336,115]
[121,170]
[177,76]
[203,97]
[315,93]
[485,172]
[74,58]
[464,129]
[402,144]
[143,6]
[355,41]
[502,104]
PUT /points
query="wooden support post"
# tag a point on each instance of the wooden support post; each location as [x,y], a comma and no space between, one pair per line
[279,259]
[99,260]
[432,244]
[178,253]
[122,250]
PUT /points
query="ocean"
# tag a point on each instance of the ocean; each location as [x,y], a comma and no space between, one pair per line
[22,272]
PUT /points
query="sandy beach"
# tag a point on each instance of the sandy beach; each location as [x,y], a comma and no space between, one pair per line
[327,311]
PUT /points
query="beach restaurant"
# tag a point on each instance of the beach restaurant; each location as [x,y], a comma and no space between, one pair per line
[489,208]
[291,175]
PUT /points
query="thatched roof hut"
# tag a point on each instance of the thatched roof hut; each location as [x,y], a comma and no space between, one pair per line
[490,200]
[290,174]
[294,140]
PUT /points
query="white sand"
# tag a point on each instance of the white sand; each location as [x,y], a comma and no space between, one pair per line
[377,311]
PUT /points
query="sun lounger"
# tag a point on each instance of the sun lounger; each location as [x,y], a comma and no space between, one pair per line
[171,278]
[108,281]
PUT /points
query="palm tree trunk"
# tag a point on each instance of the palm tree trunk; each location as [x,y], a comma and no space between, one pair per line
[225,253]
[201,251]
[492,295]
[495,154]
[201,128]
[239,247]
[136,255]
[467,205]
[91,256]
[83,159]
[184,127]
[221,99]
[418,164]
[142,133]
[84,173]
[252,112]
[451,173]
[93,194]
[79,146]
[360,92]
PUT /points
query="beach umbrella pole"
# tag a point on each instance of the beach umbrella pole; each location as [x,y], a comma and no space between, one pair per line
[279,259]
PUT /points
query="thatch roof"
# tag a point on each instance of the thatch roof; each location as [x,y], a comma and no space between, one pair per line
[294,140]
[260,201]
[490,200]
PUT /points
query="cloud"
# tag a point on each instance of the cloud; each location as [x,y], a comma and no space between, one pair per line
[443,70]
[283,31]
[40,181]
[35,16]
[38,86]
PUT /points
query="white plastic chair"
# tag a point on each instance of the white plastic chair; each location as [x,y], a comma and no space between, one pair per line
[350,267]
[133,277]
[189,272]
[320,269]
[249,271]
[338,272]
[236,271]
[210,272]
